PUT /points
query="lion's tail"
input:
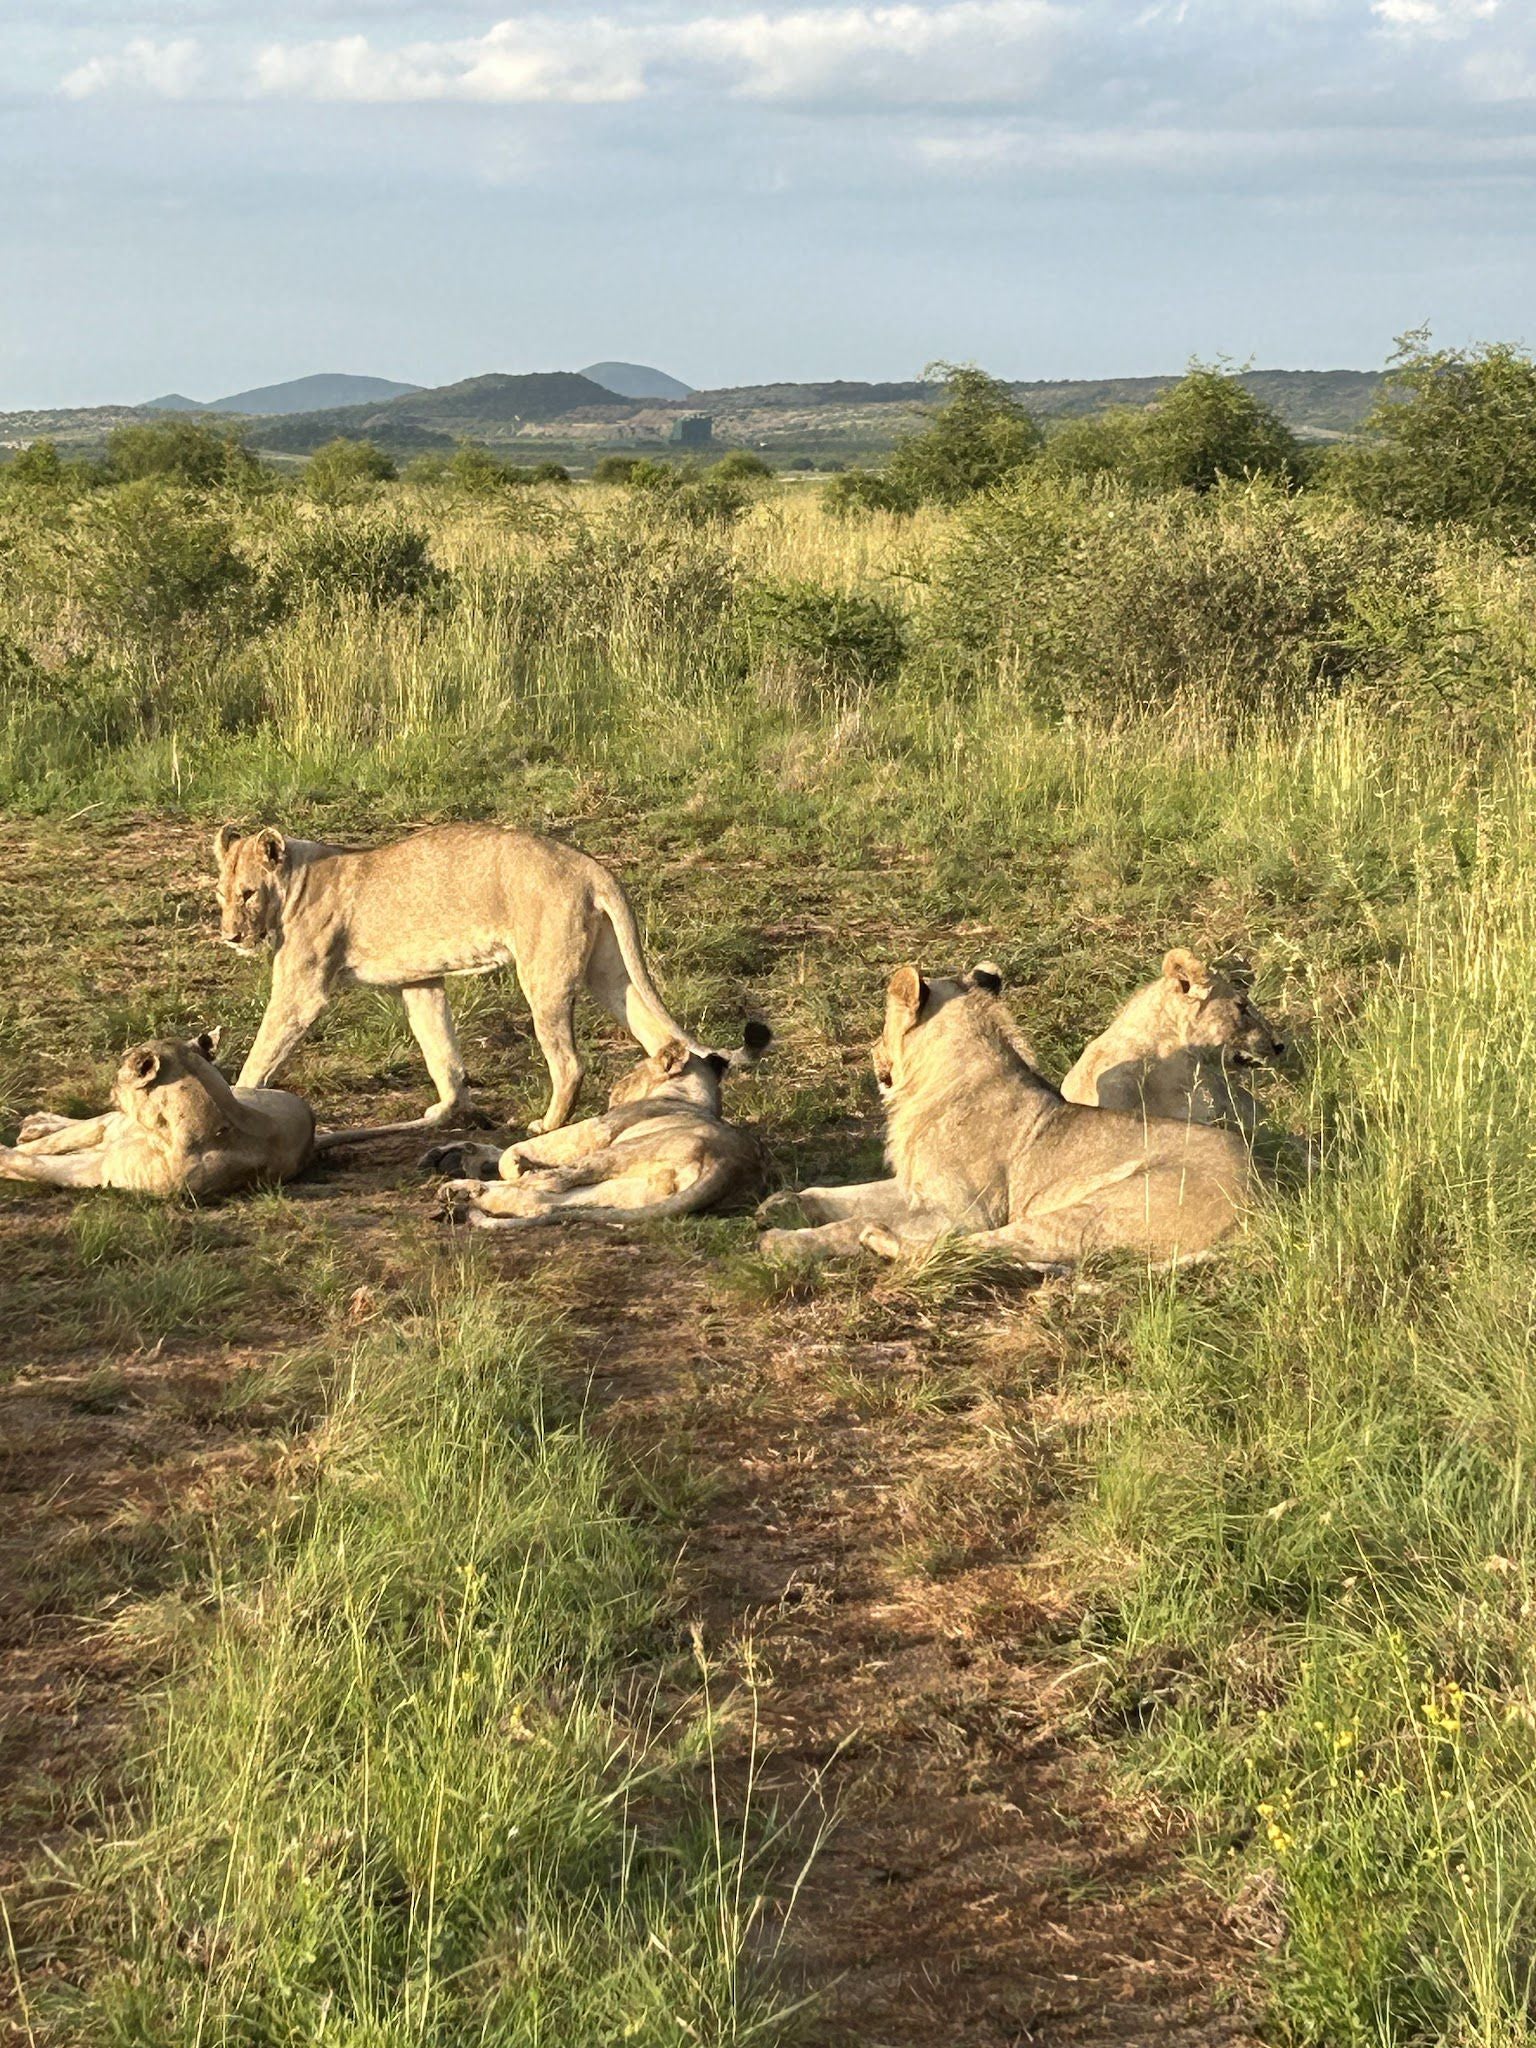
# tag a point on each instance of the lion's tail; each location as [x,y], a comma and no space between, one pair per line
[656,1024]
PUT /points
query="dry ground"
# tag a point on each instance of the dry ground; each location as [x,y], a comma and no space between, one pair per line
[875,1471]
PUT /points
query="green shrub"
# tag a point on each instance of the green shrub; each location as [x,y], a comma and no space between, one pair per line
[1096,601]
[343,471]
[857,491]
[1208,428]
[149,570]
[182,451]
[373,559]
[614,469]
[980,435]
[1101,445]
[834,641]
[741,465]
[1452,437]
[550,473]
[634,591]
[38,466]
[478,472]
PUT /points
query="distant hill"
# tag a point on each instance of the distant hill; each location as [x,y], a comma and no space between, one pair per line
[313,394]
[172,402]
[636,380]
[567,412]
[427,419]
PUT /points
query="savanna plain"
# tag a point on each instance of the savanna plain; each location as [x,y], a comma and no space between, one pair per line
[593,1635]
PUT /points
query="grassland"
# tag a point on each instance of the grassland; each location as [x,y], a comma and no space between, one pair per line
[1260,1538]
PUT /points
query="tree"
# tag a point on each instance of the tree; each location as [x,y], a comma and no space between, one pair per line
[182,451]
[1208,426]
[344,470]
[979,435]
[1452,436]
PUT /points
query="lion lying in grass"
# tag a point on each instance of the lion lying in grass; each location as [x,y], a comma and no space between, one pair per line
[176,1127]
[983,1147]
[1174,1049]
[662,1149]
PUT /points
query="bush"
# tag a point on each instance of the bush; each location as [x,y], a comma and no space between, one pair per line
[1208,428]
[372,559]
[632,591]
[148,569]
[857,491]
[1098,601]
[741,465]
[980,435]
[1452,436]
[837,642]
[478,472]
[614,469]
[183,451]
[550,473]
[1101,445]
[343,471]
[36,467]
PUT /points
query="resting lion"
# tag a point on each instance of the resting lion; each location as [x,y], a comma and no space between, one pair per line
[981,1146]
[663,1149]
[1173,1049]
[176,1127]
[455,899]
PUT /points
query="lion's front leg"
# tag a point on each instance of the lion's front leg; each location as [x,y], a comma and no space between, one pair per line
[46,1136]
[76,1169]
[296,1000]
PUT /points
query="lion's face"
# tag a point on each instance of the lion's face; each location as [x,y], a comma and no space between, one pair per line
[249,889]
[1211,1011]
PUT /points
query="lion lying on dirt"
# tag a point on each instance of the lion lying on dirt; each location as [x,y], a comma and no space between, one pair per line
[456,899]
[1173,1049]
[982,1146]
[176,1127]
[662,1149]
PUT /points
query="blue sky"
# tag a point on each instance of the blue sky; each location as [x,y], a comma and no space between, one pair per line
[204,196]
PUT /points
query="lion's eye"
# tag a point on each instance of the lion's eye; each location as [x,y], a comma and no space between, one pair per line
[246,895]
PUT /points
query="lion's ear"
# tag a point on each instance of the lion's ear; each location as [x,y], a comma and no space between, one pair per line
[673,1056]
[143,1065]
[207,1042]
[224,839]
[987,976]
[908,991]
[274,847]
[1187,972]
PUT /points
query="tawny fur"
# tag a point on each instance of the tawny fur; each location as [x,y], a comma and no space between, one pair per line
[1174,1049]
[981,1146]
[176,1127]
[663,1149]
[456,899]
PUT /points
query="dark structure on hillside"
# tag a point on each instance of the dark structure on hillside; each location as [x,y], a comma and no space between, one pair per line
[694,430]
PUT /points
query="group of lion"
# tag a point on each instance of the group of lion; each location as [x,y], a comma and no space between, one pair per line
[1145,1147]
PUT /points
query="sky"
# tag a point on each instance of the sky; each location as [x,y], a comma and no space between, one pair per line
[202,196]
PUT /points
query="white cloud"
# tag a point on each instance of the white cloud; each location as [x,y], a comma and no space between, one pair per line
[952,53]
[1437,19]
[172,70]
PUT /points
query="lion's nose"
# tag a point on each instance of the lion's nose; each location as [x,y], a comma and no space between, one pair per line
[1279,1047]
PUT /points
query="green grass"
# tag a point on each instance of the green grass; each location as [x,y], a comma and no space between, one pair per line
[1303,1506]
[427,1772]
